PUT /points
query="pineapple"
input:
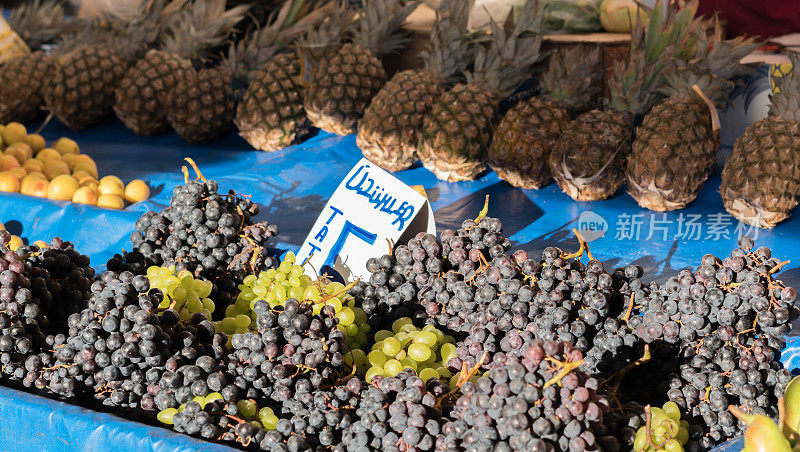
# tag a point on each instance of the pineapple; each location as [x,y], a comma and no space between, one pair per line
[271,115]
[522,142]
[23,78]
[346,79]
[760,181]
[80,90]
[200,105]
[588,159]
[388,134]
[457,132]
[188,36]
[666,169]
[91,62]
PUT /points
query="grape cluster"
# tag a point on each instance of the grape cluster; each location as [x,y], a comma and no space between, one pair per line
[425,351]
[539,402]
[294,351]
[68,275]
[38,289]
[109,345]
[402,283]
[663,430]
[316,420]
[210,417]
[726,319]
[208,234]
[287,281]
[182,292]
[400,413]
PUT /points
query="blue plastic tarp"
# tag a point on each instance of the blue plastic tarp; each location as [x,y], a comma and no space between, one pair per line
[33,423]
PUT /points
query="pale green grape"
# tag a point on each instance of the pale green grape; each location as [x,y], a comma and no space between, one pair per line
[247,408]
[391,346]
[672,410]
[165,416]
[419,352]
[398,324]
[377,358]
[392,367]
[428,373]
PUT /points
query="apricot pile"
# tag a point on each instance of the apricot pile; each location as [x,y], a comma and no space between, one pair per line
[59,172]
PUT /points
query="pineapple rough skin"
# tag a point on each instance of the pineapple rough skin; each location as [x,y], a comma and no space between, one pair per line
[456,134]
[388,135]
[21,83]
[666,169]
[341,86]
[271,114]
[761,179]
[81,90]
[200,107]
[588,160]
[142,93]
[522,142]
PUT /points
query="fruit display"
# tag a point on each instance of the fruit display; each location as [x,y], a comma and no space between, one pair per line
[316,63]
[481,336]
[759,186]
[22,78]
[665,172]
[59,172]
[271,115]
[455,134]
[184,36]
[389,132]
[589,166]
[522,143]
[455,341]
[346,78]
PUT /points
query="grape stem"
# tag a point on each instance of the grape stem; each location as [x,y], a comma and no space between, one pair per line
[463,378]
[345,289]
[628,311]
[777,268]
[647,431]
[584,247]
[196,169]
[618,376]
[185,174]
[483,211]
[566,367]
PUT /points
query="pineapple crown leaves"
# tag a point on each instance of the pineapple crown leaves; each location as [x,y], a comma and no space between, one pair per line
[714,63]
[250,54]
[635,83]
[138,31]
[201,26]
[129,33]
[572,77]
[510,55]
[379,28]
[329,31]
[786,98]
[38,22]
[449,53]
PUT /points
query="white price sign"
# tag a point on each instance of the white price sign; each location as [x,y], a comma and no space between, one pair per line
[370,209]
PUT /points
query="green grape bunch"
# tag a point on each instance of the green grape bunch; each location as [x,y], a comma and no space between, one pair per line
[424,350]
[182,291]
[288,281]
[663,431]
